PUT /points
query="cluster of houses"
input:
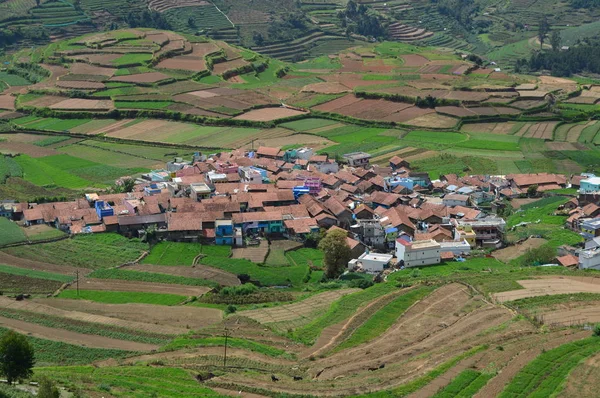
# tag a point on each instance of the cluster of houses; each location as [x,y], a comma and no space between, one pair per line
[391,213]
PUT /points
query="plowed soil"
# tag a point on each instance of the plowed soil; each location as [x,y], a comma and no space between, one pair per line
[197,271]
[269,114]
[182,316]
[66,336]
[550,286]
[126,286]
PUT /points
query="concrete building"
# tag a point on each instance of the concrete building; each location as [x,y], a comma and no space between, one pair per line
[417,253]
[371,233]
[458,248]
[590,228]
[465,232]
[488,231]
[370,262]
[589,259]
[199,191]
[357,159]
[590,185]
[455,199]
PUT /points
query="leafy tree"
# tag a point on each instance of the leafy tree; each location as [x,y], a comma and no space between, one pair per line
[16,357]
[543,30]
[47,389]
[597,330]
[258,38]
[540,255]
[336,252]
[191,23]
[532,190]
[555,40]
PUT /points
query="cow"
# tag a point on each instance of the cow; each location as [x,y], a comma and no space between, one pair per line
[274,378]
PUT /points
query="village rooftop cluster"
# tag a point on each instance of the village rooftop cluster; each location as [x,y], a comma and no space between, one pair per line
[395,217]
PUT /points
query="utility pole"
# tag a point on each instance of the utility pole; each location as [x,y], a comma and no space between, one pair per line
[77,273]
[226,334]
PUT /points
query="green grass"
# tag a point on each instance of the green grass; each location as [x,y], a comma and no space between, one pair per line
[128,275]
[435,137]
[308,124]
[9,168]
[43,175]
[142,104]
[306,256]
[110,297]
[381,320]
[48,352]
[132,59]
[322,62]
[545,375]
[13,80]
[52,140]
[191,341]
[338,311]
[447,163]
[131,381]
[10,232]
[465,385]
[173,253]
[86,251]
[532,303]
[267,276]
[492,145]
[7,269]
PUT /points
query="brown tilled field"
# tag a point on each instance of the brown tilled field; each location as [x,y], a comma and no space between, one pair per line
[187,317]
[550,286]
[7,102]
[433,120]
[28,149]
[80,85]
[512,252]
[184,62]
[195,271]
[411,60]
[81,68]
[83,104]
[148,287]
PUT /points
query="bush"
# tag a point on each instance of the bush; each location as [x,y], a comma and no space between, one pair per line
[242,290]
[361,283]
[597,330]
[231,309]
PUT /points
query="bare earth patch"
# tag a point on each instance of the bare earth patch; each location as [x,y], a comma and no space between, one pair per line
[551,286]
[512,252]
[269,114]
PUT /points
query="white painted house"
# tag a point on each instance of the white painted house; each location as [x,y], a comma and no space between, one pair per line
[418,253]
[455,199]
[458,248]
[370,262]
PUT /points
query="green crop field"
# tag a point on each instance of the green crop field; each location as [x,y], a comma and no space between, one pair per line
[189,341]
[339,310]
[10,232]
[13,80]
[86,251]
[41,174]
[55,353]
[280,276]
[142,104]
[7,269]
[308,124]
[306,256]
[545,375]
[384,318]
[465,385]
[435,137]
[9,168]
[132,381]
[173,253]
[127,275]
[132,59]
[110,297]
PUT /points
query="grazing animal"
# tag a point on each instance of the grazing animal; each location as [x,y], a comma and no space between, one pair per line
[373,369]
[274,378]
[382,366]
[297,378]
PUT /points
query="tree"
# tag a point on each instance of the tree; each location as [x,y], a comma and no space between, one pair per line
[191,23]
[336,252]
[538,256]
[16,357]
[555,40]
[543,30]
[258,38]
[532,190]
[47,389]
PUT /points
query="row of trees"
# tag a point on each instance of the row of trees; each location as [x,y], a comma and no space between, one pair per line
[362,20]
[147,19]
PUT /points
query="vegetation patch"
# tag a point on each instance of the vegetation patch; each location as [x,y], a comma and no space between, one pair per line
[110,297]
[173,253]
[10,232]
[127,275]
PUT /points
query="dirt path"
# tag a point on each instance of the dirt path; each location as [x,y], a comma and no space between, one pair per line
[67,336]
[195,271]
[85,317]
[148,287]
[186,317]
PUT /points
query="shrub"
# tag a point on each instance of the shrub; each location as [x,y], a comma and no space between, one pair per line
[597,330]
[242,290]
[231,309]
[361,283]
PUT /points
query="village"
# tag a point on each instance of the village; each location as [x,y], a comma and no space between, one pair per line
[395,218]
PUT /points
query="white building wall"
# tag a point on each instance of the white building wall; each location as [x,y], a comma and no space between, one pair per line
[589,259]
[421,257]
